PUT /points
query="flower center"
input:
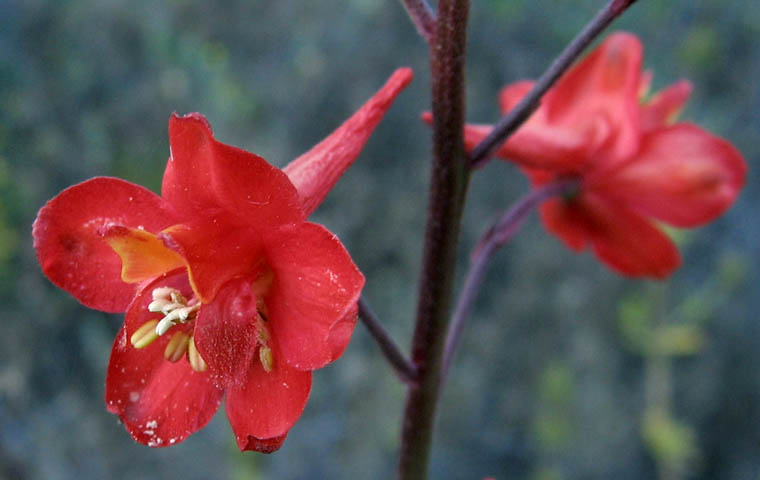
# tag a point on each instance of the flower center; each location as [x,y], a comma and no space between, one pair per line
[176,310]
[174,306]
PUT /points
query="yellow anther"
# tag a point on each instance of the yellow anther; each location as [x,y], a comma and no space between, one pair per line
[265,353]
[176,347]
[194,357]
[266,358]
[145,335]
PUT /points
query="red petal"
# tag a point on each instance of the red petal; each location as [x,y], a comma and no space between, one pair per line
[160,403]
[315,286]
[215,251]
[263,409]
[602,88]
[663,108]
[341,331]
[566,221]
[69,246]
[539,146]
[226,332]
[143,255]
[683,175]
[315,172]
[620,238]
[204,175]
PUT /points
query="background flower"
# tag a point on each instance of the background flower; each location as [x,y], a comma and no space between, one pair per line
[633,164]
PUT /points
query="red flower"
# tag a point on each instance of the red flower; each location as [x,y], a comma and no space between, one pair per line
[227,289]
[635,166]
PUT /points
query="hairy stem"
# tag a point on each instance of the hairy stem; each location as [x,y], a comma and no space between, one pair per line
[518,115]
[404,368]
[497,236]
[448,185]
[422,16]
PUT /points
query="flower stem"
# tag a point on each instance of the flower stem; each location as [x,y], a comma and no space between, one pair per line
[518,115]
[497,236]
[404,368]
[422,16]
[448,186]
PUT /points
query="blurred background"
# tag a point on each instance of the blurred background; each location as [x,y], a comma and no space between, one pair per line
[566,371]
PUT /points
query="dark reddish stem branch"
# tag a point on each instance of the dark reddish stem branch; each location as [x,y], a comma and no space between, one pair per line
[518,115]
[422,16]
[497,236]
[404,368]
[448,185]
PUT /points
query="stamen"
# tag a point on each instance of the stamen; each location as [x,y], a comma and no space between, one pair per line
[174,306]
[177,297]
[198,364]
[167,322]
[145,335]
[162,292]
[176,347]
[159,305]
[266,358]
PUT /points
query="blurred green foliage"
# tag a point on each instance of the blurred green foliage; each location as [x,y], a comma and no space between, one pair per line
[672,444]
[556,372]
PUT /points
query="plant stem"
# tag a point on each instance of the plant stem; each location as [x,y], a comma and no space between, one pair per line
[518,115]
[422,16]
[404,368]
[448,186]
[497,236]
